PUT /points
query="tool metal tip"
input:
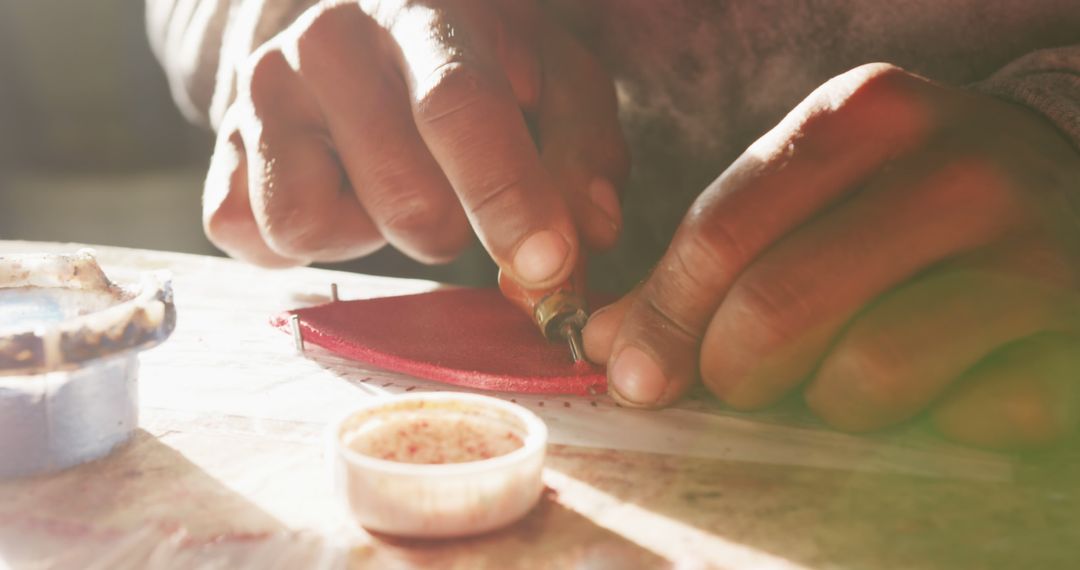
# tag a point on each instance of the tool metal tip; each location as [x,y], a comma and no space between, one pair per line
[573,340]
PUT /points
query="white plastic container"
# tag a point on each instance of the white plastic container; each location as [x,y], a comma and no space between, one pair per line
[395,494]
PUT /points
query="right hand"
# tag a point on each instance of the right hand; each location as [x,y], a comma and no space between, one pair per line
[407,123]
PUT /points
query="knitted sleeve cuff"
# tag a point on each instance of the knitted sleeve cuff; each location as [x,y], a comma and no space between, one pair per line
[1047,81]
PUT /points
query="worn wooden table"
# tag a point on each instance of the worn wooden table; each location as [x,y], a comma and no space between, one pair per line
[226,471]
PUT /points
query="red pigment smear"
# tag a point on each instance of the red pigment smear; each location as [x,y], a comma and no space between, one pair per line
[473,338]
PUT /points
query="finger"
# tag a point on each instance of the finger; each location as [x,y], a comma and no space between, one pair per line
[784,311]
[898,356]
[653,358]
[300,196]
[469,118]
[580,138]
[366,109]
[1025,395]
[516,49]
[782,180]
[603,326]
[227,217]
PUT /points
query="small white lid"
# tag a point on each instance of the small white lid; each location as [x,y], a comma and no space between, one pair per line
[491,454]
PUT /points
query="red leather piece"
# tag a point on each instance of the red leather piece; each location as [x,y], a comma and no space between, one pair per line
[467,337]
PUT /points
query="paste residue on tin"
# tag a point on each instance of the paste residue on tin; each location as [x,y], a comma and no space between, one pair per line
[26,307]
[61,312]
[432,438]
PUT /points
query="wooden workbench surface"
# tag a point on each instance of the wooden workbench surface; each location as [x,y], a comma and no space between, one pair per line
[226,472]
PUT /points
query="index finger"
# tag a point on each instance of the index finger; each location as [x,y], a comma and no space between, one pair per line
[470,119]
[804,164]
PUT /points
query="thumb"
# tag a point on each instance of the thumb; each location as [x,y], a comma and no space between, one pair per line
[654,357]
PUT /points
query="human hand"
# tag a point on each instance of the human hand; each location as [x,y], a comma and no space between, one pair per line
[405,122]
[893,245]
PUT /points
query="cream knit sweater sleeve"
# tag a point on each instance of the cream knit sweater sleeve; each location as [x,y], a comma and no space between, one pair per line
[187,38]
[201,43]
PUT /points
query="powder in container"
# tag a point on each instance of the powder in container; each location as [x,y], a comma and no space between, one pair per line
[447,437]
[438,465]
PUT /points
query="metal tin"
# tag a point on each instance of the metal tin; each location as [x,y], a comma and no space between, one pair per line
[69,344]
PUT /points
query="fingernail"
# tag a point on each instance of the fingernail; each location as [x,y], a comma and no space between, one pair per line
[637,378]
[541,256]
[603,196]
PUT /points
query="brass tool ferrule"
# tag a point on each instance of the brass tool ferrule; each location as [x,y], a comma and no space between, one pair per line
[558,310]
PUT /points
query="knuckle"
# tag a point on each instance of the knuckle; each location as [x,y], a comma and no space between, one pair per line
[875,369]
[690,270]
[264,75]
[454,89]
[665,319]
[713,246]
[292,231]
[498,197]
[874,94]
[687,279]
[289,229]
[451,240]
[409,212]
[878,83]
[318,39]
[770,308]
[296,237]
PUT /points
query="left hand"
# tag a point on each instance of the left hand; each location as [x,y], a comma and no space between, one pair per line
[893,245]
